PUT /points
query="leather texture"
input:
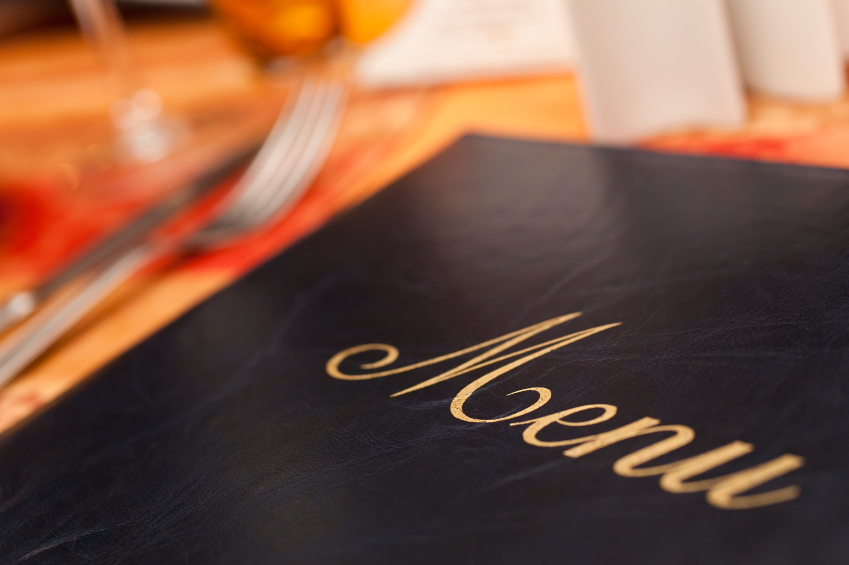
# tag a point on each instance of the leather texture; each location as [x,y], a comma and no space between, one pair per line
[222,439]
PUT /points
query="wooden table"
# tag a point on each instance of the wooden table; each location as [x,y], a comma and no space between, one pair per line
[60,190]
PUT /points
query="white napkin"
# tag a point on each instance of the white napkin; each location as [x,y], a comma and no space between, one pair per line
[651,65]
[841,17]
[789,48]
[444,40]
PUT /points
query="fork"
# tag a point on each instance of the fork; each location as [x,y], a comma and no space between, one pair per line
[284,167]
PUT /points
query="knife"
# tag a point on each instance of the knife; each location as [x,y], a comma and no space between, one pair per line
[21,304]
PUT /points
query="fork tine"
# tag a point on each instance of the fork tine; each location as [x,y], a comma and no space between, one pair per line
[310,134]
[303,165]
[282,136]
[280,140]
[256,198]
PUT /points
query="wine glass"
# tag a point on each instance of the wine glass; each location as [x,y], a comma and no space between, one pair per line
[143,132]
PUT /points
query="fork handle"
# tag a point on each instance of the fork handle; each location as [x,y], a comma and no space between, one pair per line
[31,339]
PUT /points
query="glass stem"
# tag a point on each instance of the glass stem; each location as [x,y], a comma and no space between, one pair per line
[102,26]
[137,112]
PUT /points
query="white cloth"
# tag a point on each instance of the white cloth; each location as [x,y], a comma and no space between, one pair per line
[789,48]
[651,65]
[445,40]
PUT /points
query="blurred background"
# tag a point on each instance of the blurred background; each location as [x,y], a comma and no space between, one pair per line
[107,109]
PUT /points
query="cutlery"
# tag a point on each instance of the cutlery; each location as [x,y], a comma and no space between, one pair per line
[23,303]
[284,167]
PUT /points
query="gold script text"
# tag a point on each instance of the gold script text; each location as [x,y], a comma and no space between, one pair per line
[725,491]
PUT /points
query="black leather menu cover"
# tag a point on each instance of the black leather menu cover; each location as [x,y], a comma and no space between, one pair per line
[669,334]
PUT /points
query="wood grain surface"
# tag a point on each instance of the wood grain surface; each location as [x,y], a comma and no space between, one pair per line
[61,189]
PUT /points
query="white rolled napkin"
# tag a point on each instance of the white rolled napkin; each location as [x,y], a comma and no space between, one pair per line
[652,65]
[841,16]
[789,48]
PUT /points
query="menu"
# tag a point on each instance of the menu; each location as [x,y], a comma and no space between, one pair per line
[520,352]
